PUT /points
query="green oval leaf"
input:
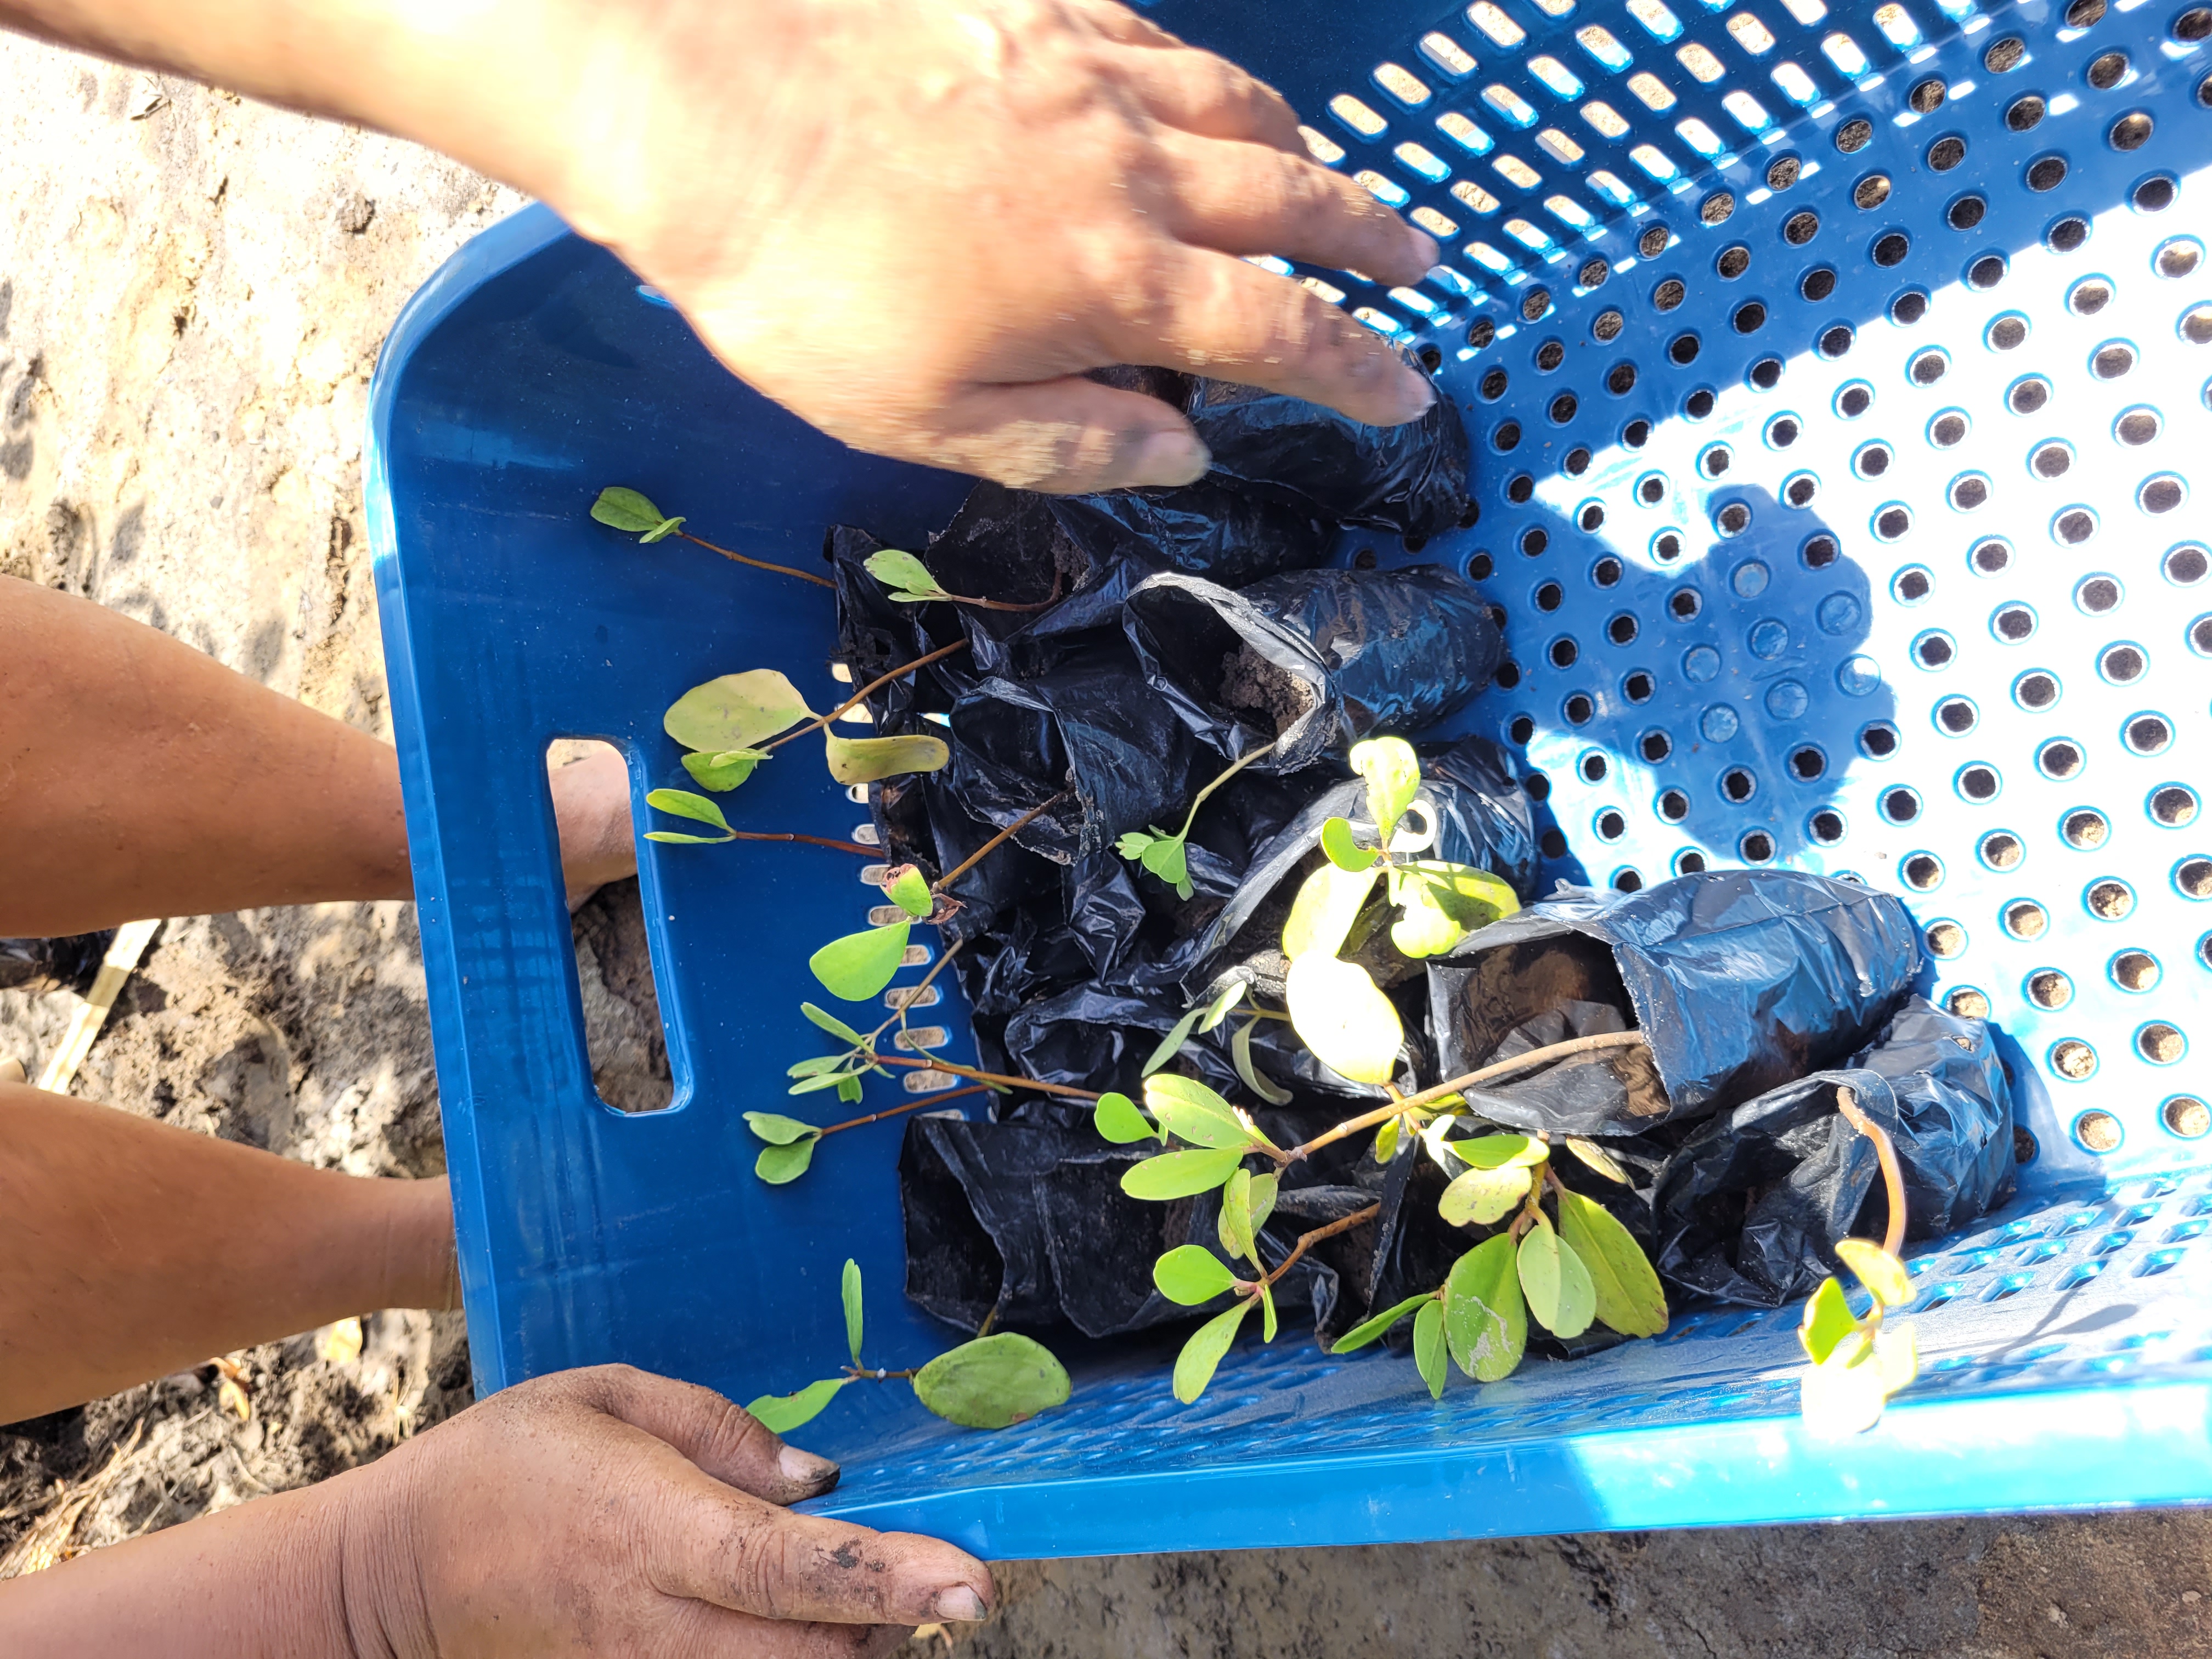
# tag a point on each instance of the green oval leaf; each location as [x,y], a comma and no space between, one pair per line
[1190,1111]
[1119,1120]
[1248,1070]
[849,1292]
[1260,1199]
[1195,1366]
[1343,852]
[1267,1312]
[1191,1275]
[626,509]
[859,965]
[1167,858]
[910,891]
[1171,1045]
[661,532]
[905,573]
[870,760]
[1234,1220]
[778,1131]
[1484,1318]
[1827,1320]
[1179,1175]
[1422,929]
[1554,1283]
[1480,1197]
[683,803]
[778,1165]
[1327,905]
[723,772]
[1360,1335]
[1501,1151]
[1131,844]
[1224,999]
[1430,1348]
[1393,772]
[736,711]
[993,1383]
[1881,1273]
[829,1022]
[827,1077]
[1599,1159]
[1844,1394]
[1629,1298]
[1350,1026]
[780,1414]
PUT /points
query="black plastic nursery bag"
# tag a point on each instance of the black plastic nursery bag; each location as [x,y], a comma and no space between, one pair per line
[1739,979]
[1314,659]
[68,963]
[1751,1206]
[1411,478]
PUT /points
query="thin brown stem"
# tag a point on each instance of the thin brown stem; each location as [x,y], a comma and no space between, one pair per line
[989,1077]
[863,1374]
[812,840]
[998,604]
[758,564]
[1307,1241]
[1544,1056]
[1235,767]
[821,721]
[925,1100]
[993,845]
[1892,1176]
[898,1015]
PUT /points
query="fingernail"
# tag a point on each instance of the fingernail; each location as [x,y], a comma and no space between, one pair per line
[1425,248]
[960,1603]
[817,1474]
[1419,393]
[1165,458]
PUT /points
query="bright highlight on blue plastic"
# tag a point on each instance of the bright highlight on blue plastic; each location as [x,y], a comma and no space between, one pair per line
[1962,671]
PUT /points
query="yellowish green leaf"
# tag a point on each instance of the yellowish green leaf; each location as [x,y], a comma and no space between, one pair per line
[736,711]
[780,1414]
[1339,1013]
[1629,1298]
[1393,772]
[1191,1276]
[1326,905]
[1881,1273]
[1195,1366]
[1480,1197]
[870,760]
[1554,1283]
[1342,850]
[1430,1348]
[1119,1120]
[993,1383]
[1484,1318]
[1827,1320]
[1179,1175]
[859,965]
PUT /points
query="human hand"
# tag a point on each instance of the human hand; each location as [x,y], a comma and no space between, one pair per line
[611,1512]
[916,222]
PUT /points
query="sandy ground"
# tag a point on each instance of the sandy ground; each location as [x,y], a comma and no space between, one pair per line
[192,290]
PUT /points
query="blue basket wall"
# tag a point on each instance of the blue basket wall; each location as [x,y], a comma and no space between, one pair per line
[1896,580]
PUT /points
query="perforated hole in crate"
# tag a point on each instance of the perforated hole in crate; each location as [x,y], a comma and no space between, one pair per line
[1879,427]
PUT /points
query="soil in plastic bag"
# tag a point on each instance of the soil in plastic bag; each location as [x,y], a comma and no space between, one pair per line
[1751,1208]
[1028,1220]
[1314,659]
[68,963]
[1411,479]
[1740,980]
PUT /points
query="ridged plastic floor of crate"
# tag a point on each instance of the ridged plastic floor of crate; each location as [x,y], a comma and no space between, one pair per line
[1835,379]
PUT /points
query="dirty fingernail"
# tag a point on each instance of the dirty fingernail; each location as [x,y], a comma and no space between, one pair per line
[815,1473]
[959,1602]
[1165,458]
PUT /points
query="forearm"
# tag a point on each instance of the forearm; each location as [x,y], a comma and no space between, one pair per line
[258,1581]
[130,1249]
[139,778]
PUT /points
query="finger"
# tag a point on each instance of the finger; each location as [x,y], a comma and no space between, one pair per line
[1118,23]
[711,1544]
[1237,322]
[712,1431]
[1201,93]
[1249,198]
[1067,436]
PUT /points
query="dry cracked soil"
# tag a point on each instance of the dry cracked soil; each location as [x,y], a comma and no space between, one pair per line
[192,292]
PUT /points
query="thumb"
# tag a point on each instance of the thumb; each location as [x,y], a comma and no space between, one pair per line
[1067,437]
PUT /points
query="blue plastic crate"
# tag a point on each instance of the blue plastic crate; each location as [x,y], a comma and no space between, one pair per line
[1818,582]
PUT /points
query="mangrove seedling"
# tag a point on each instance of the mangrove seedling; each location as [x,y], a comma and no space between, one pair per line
[1338,1010]
[907,579]
[1858,1363]
[990,1382]
[1568,1265]
[1168,856]
[628,510]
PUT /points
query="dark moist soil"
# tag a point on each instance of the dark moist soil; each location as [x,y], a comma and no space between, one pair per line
[1252,685]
